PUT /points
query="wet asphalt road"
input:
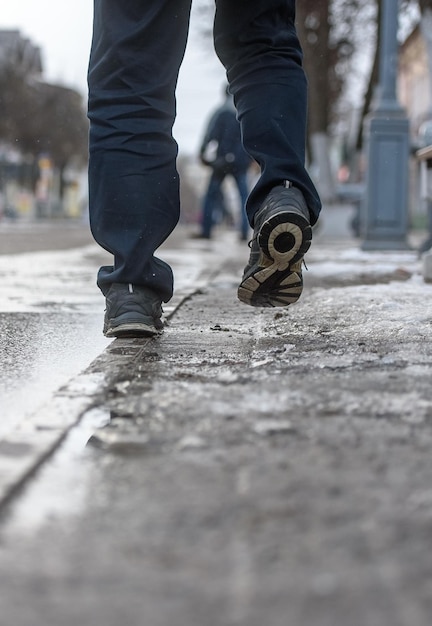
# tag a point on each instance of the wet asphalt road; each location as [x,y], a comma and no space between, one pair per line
[50,312]
[38,353]
[250,467]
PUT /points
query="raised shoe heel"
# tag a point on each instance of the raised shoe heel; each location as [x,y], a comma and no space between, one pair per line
[285,238]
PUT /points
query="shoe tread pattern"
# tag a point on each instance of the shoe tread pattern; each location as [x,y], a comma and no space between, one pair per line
[276,278]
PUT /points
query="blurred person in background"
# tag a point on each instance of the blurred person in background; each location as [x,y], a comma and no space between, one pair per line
[137,49]
[222,150]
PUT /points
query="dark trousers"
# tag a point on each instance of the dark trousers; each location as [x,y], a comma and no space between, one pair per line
[137,49]
[212,200]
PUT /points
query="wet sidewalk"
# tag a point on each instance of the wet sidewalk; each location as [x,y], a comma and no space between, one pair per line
[249,467]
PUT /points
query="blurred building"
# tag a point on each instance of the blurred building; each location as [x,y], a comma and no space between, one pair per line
[415,94]
[414,81]
[19,52]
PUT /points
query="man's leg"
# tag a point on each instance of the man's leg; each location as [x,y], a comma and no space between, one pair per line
[212,201]
[257,42]
[136,53]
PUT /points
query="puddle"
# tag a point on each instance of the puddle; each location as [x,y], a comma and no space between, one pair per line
[38,354]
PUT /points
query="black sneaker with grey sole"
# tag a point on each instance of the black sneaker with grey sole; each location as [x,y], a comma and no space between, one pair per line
[282,236]
[132,311]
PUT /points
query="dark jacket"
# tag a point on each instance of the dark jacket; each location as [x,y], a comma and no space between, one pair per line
[224,129]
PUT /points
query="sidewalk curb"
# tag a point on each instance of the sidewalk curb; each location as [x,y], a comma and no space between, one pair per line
[24,450]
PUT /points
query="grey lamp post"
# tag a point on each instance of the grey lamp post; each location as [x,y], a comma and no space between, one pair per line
[384,213]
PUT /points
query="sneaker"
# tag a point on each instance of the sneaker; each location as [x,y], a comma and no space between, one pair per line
[282,235]
[132,312]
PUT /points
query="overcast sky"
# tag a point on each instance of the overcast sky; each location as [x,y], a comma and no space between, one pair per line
[63,32]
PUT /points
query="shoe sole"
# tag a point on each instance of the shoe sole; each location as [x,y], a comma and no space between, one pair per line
[283,239]
[132,330]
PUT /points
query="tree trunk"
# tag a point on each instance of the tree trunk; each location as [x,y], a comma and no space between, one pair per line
[314,33]
[356,165]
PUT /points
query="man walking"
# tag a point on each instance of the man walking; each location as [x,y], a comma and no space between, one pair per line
[229,159]
[136,53]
